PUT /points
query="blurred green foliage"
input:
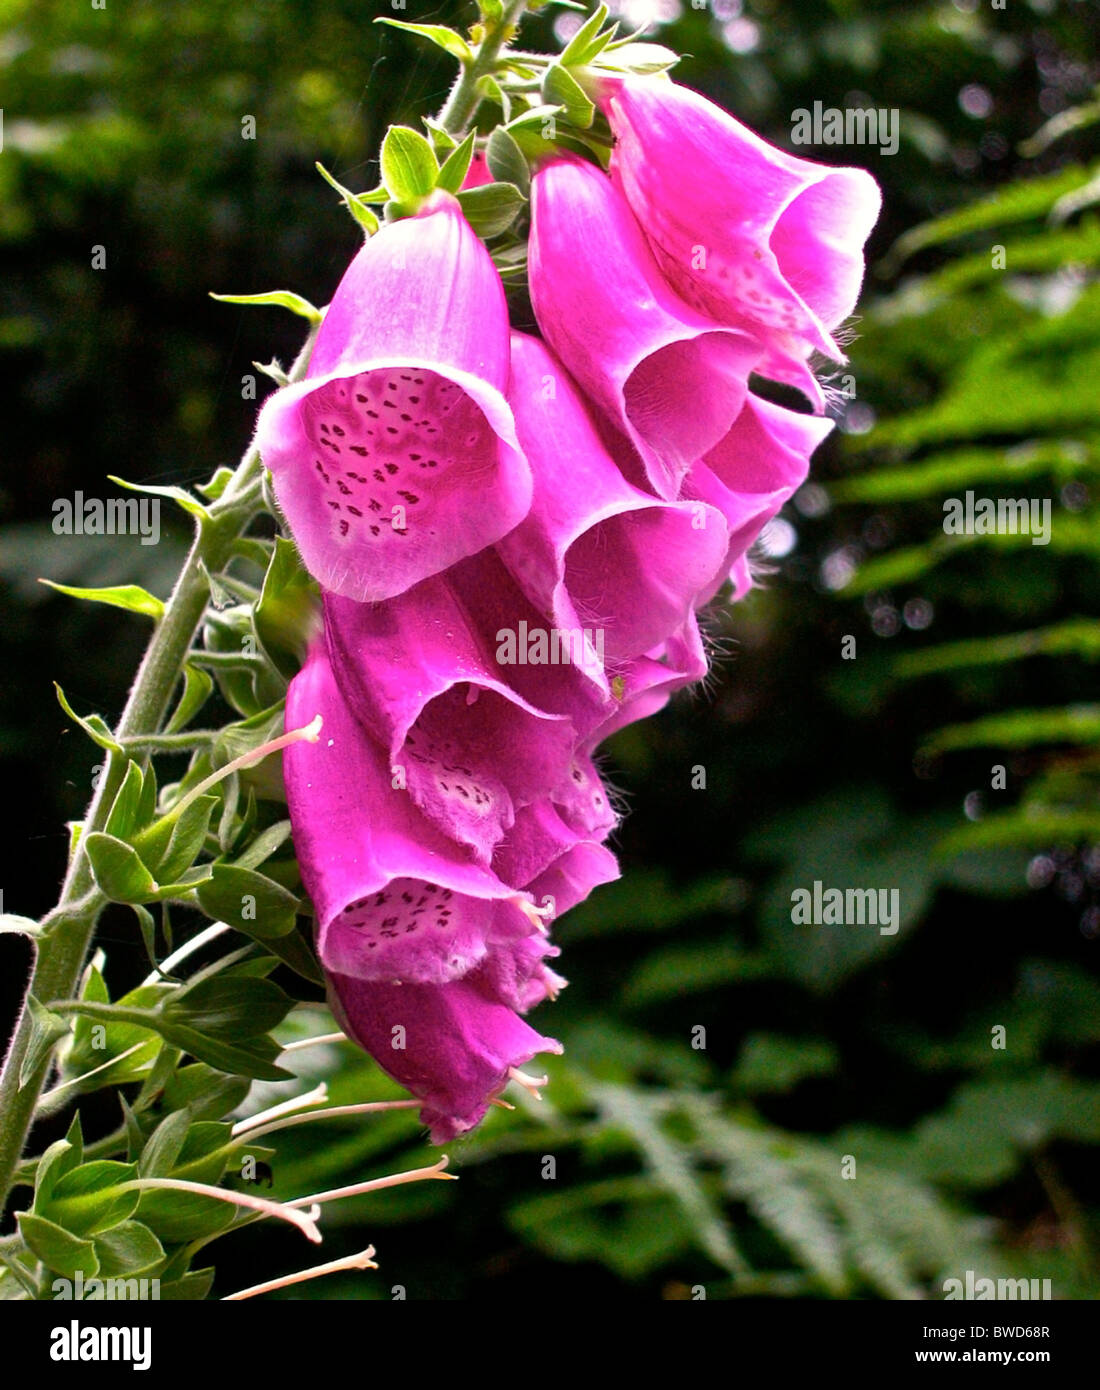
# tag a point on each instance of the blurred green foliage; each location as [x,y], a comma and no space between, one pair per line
[675,1164]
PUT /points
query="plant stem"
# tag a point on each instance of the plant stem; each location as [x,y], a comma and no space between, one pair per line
[464,98]
[68,929]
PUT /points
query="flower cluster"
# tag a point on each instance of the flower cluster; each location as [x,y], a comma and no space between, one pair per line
[513,536]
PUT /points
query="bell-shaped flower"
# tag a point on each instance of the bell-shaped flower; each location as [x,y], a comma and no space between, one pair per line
[745,232]
[753,472]
[395,899]
[402,418]
[672,379]
[454,1046]
[421,674]
[605,559]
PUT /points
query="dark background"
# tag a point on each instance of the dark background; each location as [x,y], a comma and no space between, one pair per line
[122,128]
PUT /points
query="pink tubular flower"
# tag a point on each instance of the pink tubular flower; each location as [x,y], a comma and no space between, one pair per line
[402,419]
[453,1046]
[743,231]
[671,378]
[421,675]
[599,555]
[758,466]
[394,898]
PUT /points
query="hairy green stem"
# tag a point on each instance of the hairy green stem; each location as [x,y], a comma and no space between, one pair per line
[464,98]
[67,930]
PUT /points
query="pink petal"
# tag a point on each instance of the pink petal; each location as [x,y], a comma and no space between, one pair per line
[672,379]
[744,232]
[596,552]
[395,899]
[375,455]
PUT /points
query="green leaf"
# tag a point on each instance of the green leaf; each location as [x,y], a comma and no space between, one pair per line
[507,162]
[409,165]
[447,39]
[361,211]
[249,901]
[228,1007]
[132,597]
[183,499]
[1022,201]
[456,166]
[92,1198]
[206,1093]
[279,299]
[561,88]
[1021,728]
[128,1250]
[94,726]
[46,1030]
[492,208]
[58,1249]
[773,1065]
[197,687]
[1076,637]
[118,870]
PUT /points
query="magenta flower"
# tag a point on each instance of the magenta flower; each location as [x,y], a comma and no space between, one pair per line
[454,1046]
[376,454]
[671,378]
[596,553]
[394,898]
[421,675]
[758,466]
[743,231]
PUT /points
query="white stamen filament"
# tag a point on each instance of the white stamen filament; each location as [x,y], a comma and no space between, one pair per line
[318,1096]
[375,1184]
[285,1211]
[308,733]
[303,1043]
[529,1083]
[367,1108]
[364,1260]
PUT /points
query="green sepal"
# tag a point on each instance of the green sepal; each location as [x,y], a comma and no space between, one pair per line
[119,870]
[287,616]
[132,597]
[560,87]
[91,1198]
[456,166]
[128,1250]
[277,299]
[59,1250]
[507,162]
[409,165]
[587,42]
[492,208]
[122,820]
